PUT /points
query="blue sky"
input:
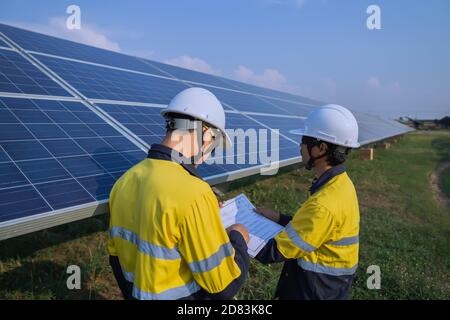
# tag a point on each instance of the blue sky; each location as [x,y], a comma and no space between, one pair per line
[317,48]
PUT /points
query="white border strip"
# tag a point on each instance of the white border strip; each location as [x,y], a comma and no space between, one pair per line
[38,97]
[17,227]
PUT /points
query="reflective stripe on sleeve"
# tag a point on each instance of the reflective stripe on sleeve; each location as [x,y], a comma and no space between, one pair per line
[205,265]
[345,241]
[299,242]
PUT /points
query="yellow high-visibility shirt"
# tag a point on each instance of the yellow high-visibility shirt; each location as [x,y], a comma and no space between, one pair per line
[324,233]
[166,230]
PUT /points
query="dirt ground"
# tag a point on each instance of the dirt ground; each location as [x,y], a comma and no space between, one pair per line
[436,187]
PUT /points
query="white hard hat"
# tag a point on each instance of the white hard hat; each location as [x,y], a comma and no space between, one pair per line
[331,123]
[200,104]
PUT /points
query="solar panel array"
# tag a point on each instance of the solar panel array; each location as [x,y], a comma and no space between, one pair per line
[74,118]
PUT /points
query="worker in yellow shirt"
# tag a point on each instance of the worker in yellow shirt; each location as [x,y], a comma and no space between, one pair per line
[167,240]
[320,243]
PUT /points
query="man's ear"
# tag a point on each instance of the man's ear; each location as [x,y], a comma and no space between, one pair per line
[207,136]
[323,148]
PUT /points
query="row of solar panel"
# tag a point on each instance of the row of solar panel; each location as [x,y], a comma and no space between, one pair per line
[21,65]
[54,144]
[92,81]
[103,83]
[97,82]
[48,145]
[128,87]
[46,44]
[17,75]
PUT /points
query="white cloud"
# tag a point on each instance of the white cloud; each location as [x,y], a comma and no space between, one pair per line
[394,87]
[330,86]
[299,3]
[141,53]
[193,63]
[373,82]
[56,26]
[270,78]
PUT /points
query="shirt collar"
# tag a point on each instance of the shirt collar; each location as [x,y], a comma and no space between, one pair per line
[325,177]
[161,152]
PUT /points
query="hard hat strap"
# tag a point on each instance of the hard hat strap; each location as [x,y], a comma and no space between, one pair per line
[200,141]
[199,135]
[337,153]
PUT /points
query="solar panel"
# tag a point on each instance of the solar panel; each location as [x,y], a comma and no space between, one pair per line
[59,156]
[287,148]
[252,149]
[266,92]
[17,75]
[144,122]
[244,102]
[296,109]
[3,43]
[33,41]
[97,82]
[284,124]
[193,77]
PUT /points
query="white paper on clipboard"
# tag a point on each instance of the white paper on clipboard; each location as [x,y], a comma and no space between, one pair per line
[261,229]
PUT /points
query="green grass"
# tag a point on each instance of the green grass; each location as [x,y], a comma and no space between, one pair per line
[404,230]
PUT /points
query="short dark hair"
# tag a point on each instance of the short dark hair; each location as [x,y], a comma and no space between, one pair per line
[172,115]
[336,155]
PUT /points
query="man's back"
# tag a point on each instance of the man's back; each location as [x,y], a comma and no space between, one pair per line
[166,231]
